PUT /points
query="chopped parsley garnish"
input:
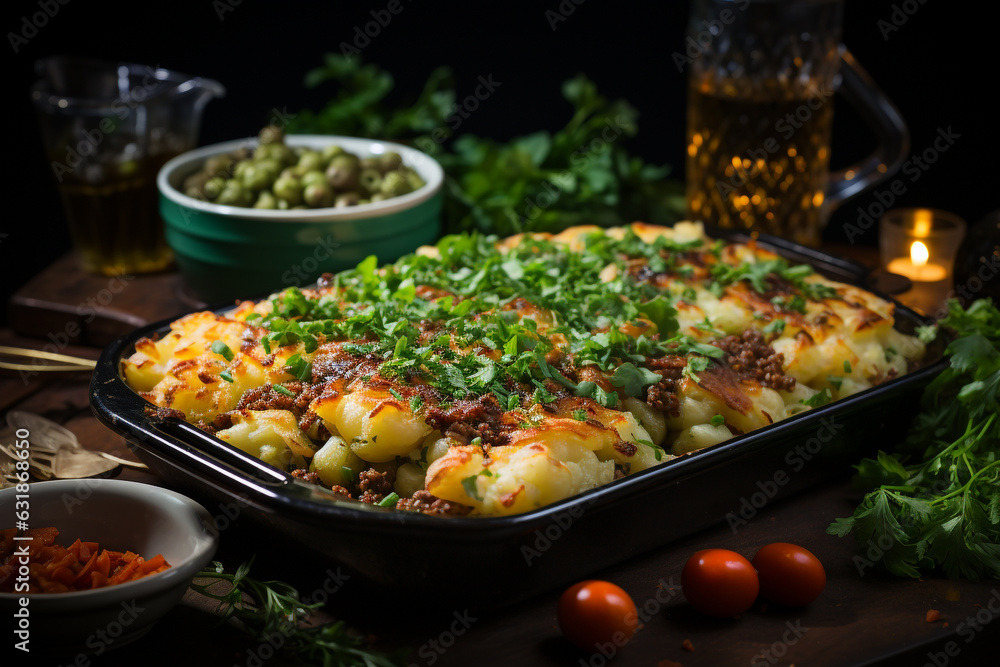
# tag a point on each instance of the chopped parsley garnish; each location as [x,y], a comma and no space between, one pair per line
[283,390]
[819,398]
[774,327]
[220,348]
[390,500]
[633,380]
[469,484]
[299,366]
[794,304]
[761,273]
[694,366]
[657,451]
[227,376]
[524,323]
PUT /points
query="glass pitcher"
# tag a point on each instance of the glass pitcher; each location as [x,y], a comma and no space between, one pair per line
[108,127]
[762,76]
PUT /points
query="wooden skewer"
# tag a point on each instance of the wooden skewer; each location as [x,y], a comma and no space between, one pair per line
[70,363]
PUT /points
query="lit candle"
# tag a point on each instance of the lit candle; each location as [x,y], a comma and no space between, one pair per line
[916,267]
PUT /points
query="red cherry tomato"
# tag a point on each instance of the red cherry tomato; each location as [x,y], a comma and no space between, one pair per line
[789,575]
[719,582]
[597,616]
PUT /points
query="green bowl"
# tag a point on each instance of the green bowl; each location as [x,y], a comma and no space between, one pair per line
[226,253]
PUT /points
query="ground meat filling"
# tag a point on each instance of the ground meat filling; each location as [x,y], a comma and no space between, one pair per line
[266,397]
[479,417]
[375,485]
[663,394]
[313,478]
[423,501]
[752,358]
[306,476]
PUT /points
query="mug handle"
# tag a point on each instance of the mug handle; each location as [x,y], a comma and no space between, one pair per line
[889,126]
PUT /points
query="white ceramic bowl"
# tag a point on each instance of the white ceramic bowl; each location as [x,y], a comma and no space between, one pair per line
[118,515]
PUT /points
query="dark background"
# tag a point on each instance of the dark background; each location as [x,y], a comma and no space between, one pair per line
[938,67]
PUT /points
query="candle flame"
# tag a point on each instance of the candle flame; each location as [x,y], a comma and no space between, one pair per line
[919,254]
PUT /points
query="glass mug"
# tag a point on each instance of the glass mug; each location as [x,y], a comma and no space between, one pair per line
[108,127]
[761,81]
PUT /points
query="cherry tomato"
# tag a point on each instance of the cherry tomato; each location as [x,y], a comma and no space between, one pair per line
[597,616]
[719,582]
[789,575]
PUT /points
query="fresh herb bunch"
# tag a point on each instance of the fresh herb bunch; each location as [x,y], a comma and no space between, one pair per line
[544,181]
[364,105]
[274,607]
[936,504]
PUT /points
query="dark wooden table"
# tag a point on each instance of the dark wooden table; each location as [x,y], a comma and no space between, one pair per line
[863,617]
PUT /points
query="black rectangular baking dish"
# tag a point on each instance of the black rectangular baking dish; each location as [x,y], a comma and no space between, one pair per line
[420,557]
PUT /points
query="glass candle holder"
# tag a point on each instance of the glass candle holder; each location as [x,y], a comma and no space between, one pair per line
[920,244]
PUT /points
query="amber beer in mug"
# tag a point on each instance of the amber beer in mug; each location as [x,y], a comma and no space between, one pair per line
[762,79]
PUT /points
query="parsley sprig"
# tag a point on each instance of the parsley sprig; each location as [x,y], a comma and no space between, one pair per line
[760,273]
[936,504]
[275,607]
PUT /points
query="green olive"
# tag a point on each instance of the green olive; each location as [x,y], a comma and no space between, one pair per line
[256,177]
[196,183]
[310,161]
[289,189]
[218,165]
[263,152]
[415,181]
[283,154]
[310,177]
[318,195]
[342,174]
[233,194]
[394,184]
[214,186]
[370,180]
[240,168]
[390,161]
[241,153]
[347,199]
[272,165]
[330,152]
[266,199]
[271,134]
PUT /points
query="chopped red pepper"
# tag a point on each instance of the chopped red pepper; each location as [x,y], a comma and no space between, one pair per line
[80,566]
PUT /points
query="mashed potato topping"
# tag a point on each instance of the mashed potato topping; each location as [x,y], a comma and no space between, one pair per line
[495,376]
